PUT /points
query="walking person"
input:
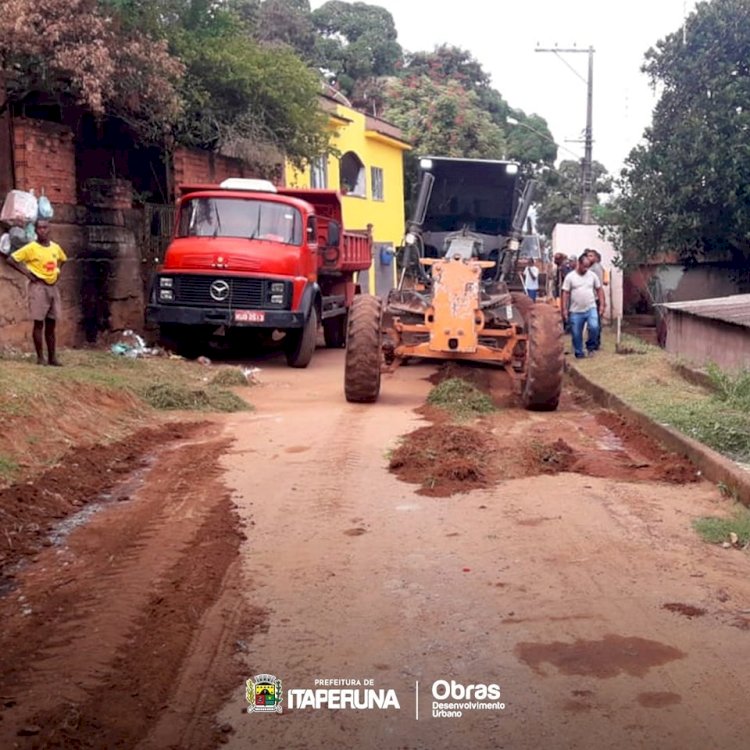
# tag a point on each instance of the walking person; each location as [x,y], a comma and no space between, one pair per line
[40,262]
[581,292]
[531,279]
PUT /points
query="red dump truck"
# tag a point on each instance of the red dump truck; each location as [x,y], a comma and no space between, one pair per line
[250,258]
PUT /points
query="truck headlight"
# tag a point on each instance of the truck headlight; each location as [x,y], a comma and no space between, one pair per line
[165,282]
[277,299]
[277,287]
[166,294]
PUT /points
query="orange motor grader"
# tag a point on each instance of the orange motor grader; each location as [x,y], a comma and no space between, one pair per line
[459,295]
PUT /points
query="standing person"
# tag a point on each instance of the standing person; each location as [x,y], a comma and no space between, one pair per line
[595,263]
[531,279]
[561,271]
[581,290]
[40,262]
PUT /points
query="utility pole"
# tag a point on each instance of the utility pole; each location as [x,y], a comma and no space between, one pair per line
[587,193]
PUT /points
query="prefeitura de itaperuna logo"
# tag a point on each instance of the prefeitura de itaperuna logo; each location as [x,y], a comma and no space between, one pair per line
[264,694]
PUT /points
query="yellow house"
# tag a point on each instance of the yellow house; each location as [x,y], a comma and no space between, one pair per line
[368,169]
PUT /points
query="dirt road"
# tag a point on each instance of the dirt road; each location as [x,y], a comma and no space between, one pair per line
[585,595]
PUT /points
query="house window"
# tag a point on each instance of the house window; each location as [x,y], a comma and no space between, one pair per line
[376,177]
[352,175]
[319,173]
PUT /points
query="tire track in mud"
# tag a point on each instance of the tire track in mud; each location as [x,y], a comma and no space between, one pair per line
[110,622]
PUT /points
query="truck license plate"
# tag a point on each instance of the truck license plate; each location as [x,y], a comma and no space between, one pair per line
[249,316]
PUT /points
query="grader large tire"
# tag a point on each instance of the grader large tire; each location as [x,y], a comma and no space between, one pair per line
[523,303]
[545,360]
[363,350]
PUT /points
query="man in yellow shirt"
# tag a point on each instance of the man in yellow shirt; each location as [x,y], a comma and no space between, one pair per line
[40,262]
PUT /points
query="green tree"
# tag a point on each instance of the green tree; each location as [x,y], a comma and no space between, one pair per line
[286,22]
[686,189]
[84,52]
[443,119]
[559,194]
[528,142]
[356,41]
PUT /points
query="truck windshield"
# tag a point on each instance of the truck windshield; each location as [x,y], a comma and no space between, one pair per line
[238,217]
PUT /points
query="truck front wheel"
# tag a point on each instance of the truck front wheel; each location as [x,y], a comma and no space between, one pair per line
[301,343]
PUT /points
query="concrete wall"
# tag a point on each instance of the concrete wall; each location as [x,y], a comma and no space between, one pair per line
[672,282]
[573,239]
[701,340]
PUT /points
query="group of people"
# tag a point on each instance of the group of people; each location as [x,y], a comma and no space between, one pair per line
[583,304]
[578,284]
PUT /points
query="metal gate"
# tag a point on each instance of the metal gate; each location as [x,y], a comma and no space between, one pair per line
[157,228]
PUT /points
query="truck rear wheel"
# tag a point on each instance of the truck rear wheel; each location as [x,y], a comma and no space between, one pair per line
[334,331]
[545,360]
[363,350]
[301,343]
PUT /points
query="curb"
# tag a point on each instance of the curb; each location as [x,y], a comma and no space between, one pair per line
[712,465]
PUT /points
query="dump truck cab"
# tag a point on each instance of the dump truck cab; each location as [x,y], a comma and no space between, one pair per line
[248,255]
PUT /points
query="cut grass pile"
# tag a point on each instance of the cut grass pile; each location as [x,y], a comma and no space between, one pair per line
[229,377]
[719,530]
[170,396]
[460,399]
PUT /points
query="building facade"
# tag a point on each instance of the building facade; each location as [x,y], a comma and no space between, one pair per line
[368,170]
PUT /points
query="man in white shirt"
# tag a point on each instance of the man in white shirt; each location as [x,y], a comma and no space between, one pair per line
[580,292]
[531,279]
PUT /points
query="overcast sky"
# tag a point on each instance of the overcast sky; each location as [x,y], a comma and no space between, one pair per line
[503,35]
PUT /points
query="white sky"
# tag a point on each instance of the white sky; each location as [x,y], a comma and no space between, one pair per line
[503,35]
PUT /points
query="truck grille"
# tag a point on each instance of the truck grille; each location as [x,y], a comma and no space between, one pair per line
[229,292]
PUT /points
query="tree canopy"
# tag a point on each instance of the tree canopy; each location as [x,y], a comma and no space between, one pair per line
[559,195]
[686,188]
[235,74]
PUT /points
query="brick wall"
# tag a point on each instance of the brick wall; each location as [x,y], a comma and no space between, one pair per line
[191,166]
[44,158]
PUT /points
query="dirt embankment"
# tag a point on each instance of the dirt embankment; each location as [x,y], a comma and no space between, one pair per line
[30,511]
[125,630]
[446,458]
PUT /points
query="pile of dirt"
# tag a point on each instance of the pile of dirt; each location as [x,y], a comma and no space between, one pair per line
[30,510]
[658,464]
[444,459]
[550,458]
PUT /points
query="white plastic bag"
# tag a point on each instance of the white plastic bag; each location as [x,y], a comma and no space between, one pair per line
[20,205]
[45,208]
